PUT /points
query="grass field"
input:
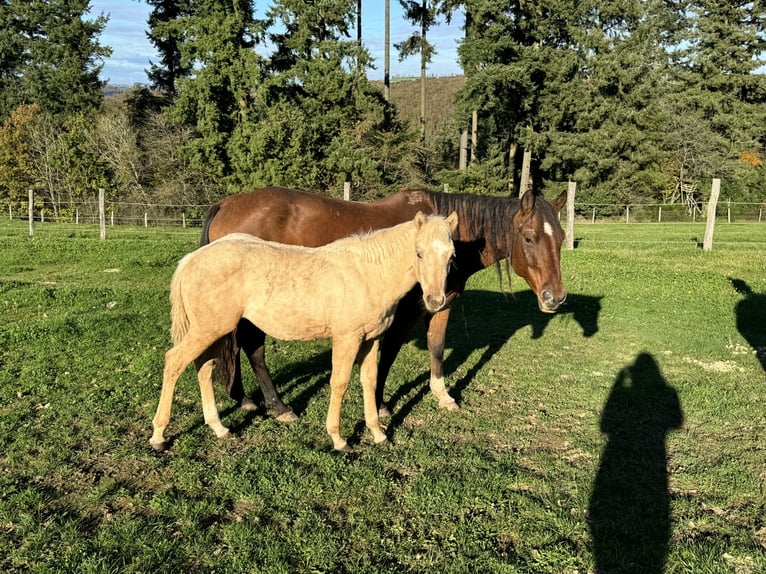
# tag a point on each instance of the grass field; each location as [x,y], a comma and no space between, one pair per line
[624,434]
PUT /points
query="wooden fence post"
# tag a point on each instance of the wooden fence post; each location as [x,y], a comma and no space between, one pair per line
[347,190]
[101,214]
[707,244]
[571,188]
[31,212]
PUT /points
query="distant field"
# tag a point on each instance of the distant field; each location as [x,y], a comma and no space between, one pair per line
[624,434]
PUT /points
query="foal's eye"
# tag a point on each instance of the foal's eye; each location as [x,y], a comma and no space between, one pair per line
[529,240]
[419,254]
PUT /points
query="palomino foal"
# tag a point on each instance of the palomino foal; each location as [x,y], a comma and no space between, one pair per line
[347,290]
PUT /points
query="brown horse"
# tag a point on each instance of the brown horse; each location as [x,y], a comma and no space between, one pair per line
[347,290]
[492,229]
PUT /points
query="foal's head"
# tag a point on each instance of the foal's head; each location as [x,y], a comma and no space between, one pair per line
[536,249]
[434,252]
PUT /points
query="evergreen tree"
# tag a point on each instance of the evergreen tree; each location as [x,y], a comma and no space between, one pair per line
[321,116]
[220,95]
[167,38]
[50,56]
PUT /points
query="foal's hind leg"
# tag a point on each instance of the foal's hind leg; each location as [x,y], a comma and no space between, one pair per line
[176,360]
[209,410]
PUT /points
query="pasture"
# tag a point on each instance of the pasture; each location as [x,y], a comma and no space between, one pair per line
[624,434]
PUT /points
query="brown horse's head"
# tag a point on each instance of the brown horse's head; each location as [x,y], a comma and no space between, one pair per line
[434,251]
[536,250]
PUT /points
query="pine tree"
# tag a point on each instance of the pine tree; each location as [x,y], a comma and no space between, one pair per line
[50,56]
[219,96]
[167,38]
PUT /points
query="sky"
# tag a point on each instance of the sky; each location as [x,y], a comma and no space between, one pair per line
[132,52]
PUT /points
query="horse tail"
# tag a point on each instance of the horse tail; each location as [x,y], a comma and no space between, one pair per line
[211,213]
[179,320]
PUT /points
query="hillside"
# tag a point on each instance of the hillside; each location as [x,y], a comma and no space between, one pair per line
[440,93]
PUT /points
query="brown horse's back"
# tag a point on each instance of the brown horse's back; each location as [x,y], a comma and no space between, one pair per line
[301,218]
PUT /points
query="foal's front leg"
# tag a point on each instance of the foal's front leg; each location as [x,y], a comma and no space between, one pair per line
[436,336]
[368,373]
[344,353]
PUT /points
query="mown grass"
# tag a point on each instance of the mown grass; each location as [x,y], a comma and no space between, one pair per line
[624,434]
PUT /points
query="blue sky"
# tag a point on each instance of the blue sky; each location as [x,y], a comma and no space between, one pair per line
[125,33]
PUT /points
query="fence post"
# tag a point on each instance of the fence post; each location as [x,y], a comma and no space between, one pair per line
[707,244]
[347,190]
[146,220]
[101,214]
[446,188]
[659,217]
[31,212]
[627,214]
[593,217]
[571,188]
[10,212]
[183,219]
[77,216]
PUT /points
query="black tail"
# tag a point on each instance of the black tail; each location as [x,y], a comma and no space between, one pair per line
[211,213]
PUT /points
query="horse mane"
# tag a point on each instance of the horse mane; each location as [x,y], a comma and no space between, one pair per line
[373,245]
[483,217]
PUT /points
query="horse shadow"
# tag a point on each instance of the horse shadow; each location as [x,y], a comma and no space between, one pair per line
[750,313]
[629,511]
[467,331]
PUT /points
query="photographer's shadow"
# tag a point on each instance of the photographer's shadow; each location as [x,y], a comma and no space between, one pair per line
[750,313]
[629,513]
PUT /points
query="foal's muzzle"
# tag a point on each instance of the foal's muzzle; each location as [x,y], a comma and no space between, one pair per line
[435,303]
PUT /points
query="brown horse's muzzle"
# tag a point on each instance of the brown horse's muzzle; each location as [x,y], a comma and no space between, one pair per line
[548,302]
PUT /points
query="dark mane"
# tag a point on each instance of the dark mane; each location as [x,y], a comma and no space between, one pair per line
[483,217]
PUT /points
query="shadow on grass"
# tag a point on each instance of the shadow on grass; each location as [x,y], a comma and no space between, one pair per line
[503,315]
[750,313]
[629,511]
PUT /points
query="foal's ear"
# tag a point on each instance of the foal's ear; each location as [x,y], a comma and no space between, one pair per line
[452,221]
[420,219]
[527,202]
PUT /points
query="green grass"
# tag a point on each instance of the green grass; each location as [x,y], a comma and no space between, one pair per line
[624,434]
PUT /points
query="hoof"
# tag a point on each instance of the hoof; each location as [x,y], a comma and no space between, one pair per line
[287,417]
[383,412]
[449,404]
[383,442]
[159,446]
[247,404]
[344,448]
[222,432]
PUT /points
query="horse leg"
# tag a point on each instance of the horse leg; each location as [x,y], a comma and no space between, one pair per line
[368,370]
[344,352]
[209,410]
[176,360]
[436,335]
[408,313]
[254,345]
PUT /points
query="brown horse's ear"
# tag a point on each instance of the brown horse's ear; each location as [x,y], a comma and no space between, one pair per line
[527,202]
[452,221]
[420,219]
[559,202]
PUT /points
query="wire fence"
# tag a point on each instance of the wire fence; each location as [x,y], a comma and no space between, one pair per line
[174,215]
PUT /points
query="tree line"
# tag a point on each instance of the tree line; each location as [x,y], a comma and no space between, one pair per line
[636,100]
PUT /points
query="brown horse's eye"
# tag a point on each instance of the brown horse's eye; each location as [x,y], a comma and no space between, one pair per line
[529,240]
[419,254]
